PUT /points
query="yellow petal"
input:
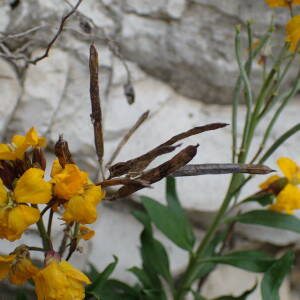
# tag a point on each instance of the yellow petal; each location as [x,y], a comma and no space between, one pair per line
[22,271]
[69,182]
[5,262]
[74,273]
[293,32]
[3,194]
[82,208]
[288,199]
[85,233]
[19,219]
[56,168]
[288,167]
[32,188]
[6,152]
[60,281]
[264,185]
[33,140]
[275,3]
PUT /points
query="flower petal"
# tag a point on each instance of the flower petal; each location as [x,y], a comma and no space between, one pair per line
[32,188]
[19,219]
[5,262]
[287,200]
[288,167]
[264,185]
[82,208]
[6,152]
[22,271]
[69,182]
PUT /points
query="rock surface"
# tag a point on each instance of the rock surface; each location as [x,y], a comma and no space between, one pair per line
[181,59]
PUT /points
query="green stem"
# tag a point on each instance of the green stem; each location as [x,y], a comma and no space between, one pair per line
[192,269]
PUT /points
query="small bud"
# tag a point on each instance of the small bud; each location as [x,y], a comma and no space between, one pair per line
[7,173]
[39,158]
[61,150]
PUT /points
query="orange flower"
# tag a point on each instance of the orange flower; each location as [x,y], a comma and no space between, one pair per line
[15,215]
[19,144]
[85,233]
[60,281]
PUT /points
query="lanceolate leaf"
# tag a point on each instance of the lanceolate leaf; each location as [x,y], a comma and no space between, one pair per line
[269,218]
[274,277]
[96,288]
[241,297]
[170,222]
[250,260]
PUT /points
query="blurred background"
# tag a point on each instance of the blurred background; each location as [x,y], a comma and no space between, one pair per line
[178,55]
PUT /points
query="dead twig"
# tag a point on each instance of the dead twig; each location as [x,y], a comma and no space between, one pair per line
[138,164]
[96,115]
[127,136]
[205,169]
[22,34]
[160,172]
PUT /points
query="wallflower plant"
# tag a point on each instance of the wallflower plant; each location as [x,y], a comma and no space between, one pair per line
[72,199]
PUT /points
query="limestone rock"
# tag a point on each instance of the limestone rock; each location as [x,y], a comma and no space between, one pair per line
[10,93]
[43,90]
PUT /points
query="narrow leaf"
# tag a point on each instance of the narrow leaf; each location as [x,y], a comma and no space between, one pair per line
[279,142]
[270,219]
[168,222]
[274,277]
[95,289]
[241,297]
[263,199]
[250,260]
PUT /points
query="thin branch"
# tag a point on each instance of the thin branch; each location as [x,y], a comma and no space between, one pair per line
[124,140]
[205,169]
[22,34]
[49,46]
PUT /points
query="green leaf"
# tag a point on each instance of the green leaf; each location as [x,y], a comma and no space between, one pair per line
[142,276]
[155,256]
[274,276]
[250,260]
[269,218]
[116,290]
[175,206]
[169,222]
[241,297]
[279,141]
[263,199]
[95,289]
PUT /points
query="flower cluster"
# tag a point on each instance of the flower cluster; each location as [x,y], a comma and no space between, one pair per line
[293,25]
[22,189]
[284,188]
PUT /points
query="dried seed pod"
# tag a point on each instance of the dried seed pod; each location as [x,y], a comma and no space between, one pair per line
[61,150]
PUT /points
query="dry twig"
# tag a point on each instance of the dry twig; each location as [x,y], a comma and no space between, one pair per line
[127,136]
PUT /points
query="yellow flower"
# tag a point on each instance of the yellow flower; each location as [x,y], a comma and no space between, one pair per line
[20,144]
[83,196]
[82,208]
[15,215]
[69,181]
[288,194]
[22,270]
[293,32]
[286,3]
[60,281]
[17,266]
